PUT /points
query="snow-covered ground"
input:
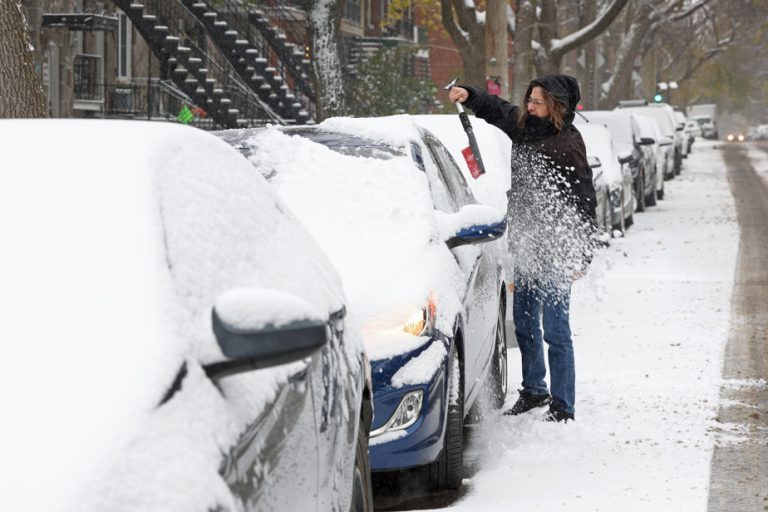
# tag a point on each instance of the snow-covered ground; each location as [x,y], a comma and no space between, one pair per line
[650,325]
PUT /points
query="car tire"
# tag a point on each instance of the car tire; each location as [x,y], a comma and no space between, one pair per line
[362,489]
[448,470]
[660,193]
[621,226]
[651,199]
[498,373]
[640,199]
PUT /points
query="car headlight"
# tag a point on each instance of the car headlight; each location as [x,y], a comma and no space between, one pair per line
[730,137]
[405,415]
[741,138]
[421,320]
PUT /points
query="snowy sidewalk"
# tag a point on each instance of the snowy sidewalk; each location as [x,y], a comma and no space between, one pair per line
[650,326]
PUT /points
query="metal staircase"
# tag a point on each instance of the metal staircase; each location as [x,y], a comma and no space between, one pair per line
[208,81]
[272,66]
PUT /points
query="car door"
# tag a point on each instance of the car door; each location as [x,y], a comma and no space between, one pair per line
[481,297]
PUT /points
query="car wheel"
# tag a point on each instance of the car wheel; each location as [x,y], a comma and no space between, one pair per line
[448,470]
[621,226]
[651,199]
[498,372]
[362,490]
[640,199]
[630,218]
[660,193]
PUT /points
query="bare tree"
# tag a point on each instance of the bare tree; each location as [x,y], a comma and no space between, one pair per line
[324,24]
[21,92]
[467,30]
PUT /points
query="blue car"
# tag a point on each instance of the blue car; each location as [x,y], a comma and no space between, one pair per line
[419,262]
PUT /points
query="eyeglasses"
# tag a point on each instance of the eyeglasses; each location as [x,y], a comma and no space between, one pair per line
[536,103]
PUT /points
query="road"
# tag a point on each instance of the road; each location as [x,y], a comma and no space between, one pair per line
[739,479]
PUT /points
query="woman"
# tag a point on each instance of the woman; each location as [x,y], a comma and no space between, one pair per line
[551,223]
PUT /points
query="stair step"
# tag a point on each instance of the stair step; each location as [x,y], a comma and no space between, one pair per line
[210,14]
[202,71]
[161,28]
[149,17]
[265,87]
[241,42]
[241,122]
[250,69]
[218,91]
[260,60]
[184,49]
[210,81]
[200,89]
[190,80]
[172,60]
[195,60]
[136,6]
[225,101]
[233,111]
[220,23]
[199,5]
[231,33]
[257,78]
[180,70]
[252,51]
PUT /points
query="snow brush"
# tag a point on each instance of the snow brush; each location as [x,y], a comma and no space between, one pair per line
[472,152]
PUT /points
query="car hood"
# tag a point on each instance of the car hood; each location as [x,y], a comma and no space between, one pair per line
[374,218]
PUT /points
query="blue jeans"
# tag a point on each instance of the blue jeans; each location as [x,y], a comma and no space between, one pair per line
[530,304]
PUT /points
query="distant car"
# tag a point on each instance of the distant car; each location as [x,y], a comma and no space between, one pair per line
[627,140]
[661,150]
[707,125]
[668,124]
[687,138]
[176,340]
[602,194]
[599,143]
[390,206]
[693,130]
[735,137]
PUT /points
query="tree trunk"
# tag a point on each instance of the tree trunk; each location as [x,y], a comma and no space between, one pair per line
[523,69]
[460,21]
[324,22]
[21,92]
[496,42]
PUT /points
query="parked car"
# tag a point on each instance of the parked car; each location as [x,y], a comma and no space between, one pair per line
[661,149]
[669,125]
[687,136]
[634,149]
[707,125]
[735,137]
[176,340]
[693,130]
[388,203]
[602,193]
[599,143]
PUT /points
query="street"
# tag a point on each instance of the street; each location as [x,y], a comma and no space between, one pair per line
[651,324]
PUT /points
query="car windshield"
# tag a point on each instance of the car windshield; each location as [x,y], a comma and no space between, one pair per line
[665,123]
[702,120]
[618,125]
[349,145]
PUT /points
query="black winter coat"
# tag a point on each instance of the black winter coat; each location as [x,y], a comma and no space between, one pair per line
[552,219]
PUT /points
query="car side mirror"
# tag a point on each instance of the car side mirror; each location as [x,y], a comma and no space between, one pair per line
[625,158]
[472,224]
[646,141]
[258,328]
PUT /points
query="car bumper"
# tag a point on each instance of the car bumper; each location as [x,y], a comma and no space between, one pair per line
[421,442]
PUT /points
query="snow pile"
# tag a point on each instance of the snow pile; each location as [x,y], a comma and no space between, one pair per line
[650,327]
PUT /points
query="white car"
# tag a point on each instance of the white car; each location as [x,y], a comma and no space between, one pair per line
[661,146]
[668,124]
[174,339]
[599,143]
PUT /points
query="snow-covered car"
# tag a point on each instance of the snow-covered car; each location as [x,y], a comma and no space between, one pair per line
[661,149]
[664,115]
[599,143]
[387,202]
[687,137]
[693,130]
[635,149]
[602,193]
[174,338]
[707,125]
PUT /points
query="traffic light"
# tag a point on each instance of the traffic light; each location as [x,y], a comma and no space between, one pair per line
[658,97]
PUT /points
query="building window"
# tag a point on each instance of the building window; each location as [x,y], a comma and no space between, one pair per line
[124,47]
[352,11]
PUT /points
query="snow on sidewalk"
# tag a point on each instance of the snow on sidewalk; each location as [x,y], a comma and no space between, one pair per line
[650,326]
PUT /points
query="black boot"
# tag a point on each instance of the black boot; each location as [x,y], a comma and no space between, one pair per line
[558,414]
[528,401]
